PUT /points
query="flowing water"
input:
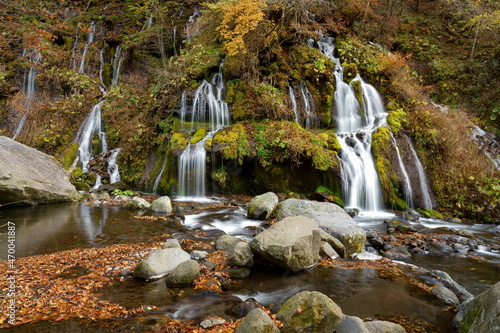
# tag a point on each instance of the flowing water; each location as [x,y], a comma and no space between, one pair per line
[90,40]
[91,126]
[424,187]
[408,192]
[360,292]
[294,103]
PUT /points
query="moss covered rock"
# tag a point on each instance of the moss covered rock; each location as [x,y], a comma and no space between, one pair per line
[310,311]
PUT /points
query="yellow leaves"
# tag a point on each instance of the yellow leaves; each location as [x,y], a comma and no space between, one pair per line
[238,19]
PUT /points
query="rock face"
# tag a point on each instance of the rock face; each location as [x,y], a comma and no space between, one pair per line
[292,243]
[317,314]
[30,177]
[262,206]
[257,321]
[481,314]
[328,216]
[162,205]
[160,263]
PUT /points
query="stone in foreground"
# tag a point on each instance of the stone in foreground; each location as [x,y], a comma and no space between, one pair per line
[30,177]
[257,321]
[292,243]
[262,206]
[310,311]
[162,205]
[184,274]
[160,263]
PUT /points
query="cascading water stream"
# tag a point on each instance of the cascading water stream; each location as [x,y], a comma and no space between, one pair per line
[408,192]
[90,40]
[424,188]
[294,103]
[114,173]
[361,186]
[211,110]
[91,126]
[311,119]
[28,89]
[160,174]
[117,64]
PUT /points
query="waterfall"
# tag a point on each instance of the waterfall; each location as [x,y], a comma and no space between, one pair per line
[423,179]
[356,123]
[158,178]
[189,25]
[408,192]
[28,89]
[211,110]
[192,165]
[294,103]
[117,64]
[90,40]
[114,173]
[311,121]
[183,109]
[101,66]
[208,104]
[91,126]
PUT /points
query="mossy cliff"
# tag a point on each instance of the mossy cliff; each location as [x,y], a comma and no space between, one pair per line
[140,67]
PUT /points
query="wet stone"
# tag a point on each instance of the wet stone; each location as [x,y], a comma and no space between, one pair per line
[245,307]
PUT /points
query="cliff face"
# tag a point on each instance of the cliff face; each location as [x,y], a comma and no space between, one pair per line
[146,60]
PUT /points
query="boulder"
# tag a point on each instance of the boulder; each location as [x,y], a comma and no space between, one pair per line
[480,314]
[257,321]
[30,177]
[198,255]
[171,243]
[445,294]
[245,307]
[240,255]
[334,243]
[160,263]
[211,322]
[162,205]
[238,273]
[446,280]
[398,253]
[184,274]
[379,326]
[310,311]
[137,203]
[351,324]
[226,242]
[262,206]
[330,217]
[292,243]
[326,250]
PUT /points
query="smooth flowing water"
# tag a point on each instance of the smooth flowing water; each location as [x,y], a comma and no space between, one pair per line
[90,40]
[91,126]
[408,191]
[424,187]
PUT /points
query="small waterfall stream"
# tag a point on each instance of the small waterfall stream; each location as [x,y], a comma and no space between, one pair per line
[208,109]
[311,119]
[91,126]
[356,123]
[90,40]
[424,188]
[28,89]
[117,64]
[160,174]
[294,103]
[408,192]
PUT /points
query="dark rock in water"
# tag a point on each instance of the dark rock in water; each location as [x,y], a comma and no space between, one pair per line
[437,248]
[446,280]
[377,242]
[111,187]
[445,294]
[238,273]
[245,307]
[480,314]
[398,253]
[226,242]
[30,177]
[352,212]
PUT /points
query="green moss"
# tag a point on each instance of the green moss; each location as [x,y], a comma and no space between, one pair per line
[70,155]
[397,117]
[198,135]
[429,213]
[178,141]
[233,143]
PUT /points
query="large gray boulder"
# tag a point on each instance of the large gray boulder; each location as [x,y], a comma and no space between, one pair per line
[240,255]
[310,311]
[162,205]
[30,177]
[160,263]
[330,217]
[262,206]
[257,321]
[351,324]
[292,243]
[481,314]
